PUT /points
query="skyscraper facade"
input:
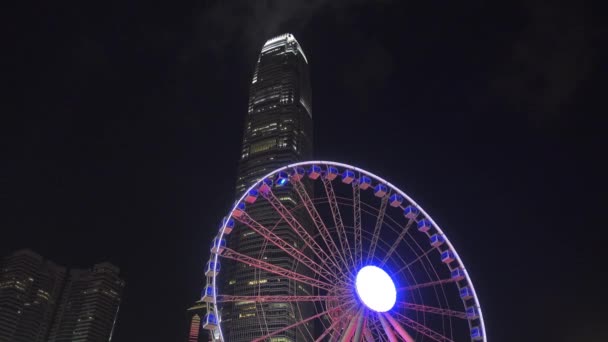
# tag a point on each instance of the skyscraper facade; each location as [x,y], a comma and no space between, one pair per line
[278,131]
[278,125]
[89,305]
[30,287]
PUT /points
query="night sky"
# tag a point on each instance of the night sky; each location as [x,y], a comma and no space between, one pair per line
[125,124]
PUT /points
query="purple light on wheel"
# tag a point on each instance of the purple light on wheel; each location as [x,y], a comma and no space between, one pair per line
[376,289]
[376,286]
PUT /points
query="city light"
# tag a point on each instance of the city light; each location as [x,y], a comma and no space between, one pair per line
[376,289]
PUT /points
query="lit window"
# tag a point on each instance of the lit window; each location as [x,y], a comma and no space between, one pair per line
[287,199]
[256,282]
[263,145]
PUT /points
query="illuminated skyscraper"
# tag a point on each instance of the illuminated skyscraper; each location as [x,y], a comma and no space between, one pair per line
[29,292]
[278,131]
[89,305]
[278,126]
[38,303]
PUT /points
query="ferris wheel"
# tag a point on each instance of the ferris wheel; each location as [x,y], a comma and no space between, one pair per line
[362,260]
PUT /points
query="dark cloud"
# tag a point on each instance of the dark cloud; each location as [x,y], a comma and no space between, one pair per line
[548,62]
[367,71]
[228,28]
[248,23]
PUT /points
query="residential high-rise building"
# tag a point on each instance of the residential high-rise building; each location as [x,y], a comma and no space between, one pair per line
[38,303]
[29,292]
[278,131]
[89,305]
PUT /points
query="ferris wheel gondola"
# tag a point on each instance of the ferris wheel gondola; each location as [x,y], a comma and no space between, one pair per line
[375,265]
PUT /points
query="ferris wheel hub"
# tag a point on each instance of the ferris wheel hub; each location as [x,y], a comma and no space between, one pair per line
[376,289]
[373,312]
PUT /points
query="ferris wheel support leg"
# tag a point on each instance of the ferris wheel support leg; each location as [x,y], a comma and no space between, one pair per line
[387,329]
[359,329]
[368,335]
[398,328]
[333,326]
[349,332]
[352,326]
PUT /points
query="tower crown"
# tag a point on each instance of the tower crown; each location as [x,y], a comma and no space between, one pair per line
[287,40]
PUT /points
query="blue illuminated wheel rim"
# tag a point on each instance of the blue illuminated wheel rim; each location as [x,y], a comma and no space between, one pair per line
[345,232]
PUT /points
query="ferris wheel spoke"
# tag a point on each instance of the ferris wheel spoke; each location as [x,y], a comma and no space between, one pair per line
[327,331]
[334,326]
[292,251]
[424,330]
[398,328]
[357,224]
[253,262]
[335,211]
[276,332]
[401,236]
[297,227]
[276,299]
[388,331]
[431,283]
[320,256]
[319,223]
[379,221]
[431,309]
[420,257]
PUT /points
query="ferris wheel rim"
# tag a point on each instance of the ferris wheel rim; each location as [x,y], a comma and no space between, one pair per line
[381,181]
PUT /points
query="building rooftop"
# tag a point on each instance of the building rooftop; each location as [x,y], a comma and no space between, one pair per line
[283,39]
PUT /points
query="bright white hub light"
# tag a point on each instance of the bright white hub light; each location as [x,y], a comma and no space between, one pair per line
[376,288]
